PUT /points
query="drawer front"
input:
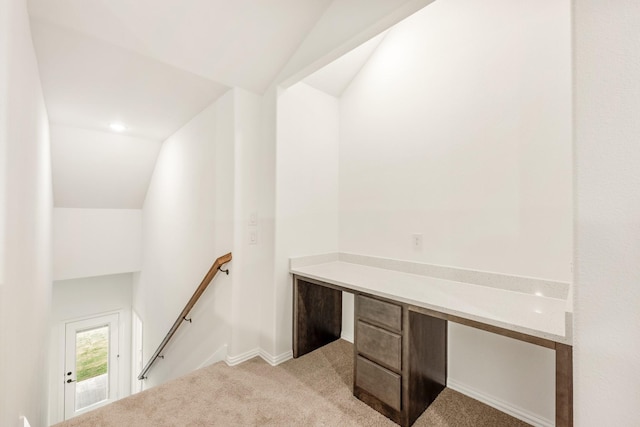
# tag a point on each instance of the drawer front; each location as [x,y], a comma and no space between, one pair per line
[378,381]
[380,312]
[380,345]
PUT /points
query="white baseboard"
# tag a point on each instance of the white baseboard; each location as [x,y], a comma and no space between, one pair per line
[347,336]
[501,405]
[236,360]
[219,355]
[276,360]
[270,359]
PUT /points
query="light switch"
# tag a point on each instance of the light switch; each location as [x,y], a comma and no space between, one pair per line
[253,218]
[253,237]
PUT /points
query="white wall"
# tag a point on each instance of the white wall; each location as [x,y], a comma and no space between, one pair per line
[459,128]
[267,205]
[81,298]
[94,242]
[25,211]
[250,260]
[4,82]
[607,107]
[306,188]
[516,377]
[187,224]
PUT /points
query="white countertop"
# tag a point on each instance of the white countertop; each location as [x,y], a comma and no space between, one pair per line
[539,316]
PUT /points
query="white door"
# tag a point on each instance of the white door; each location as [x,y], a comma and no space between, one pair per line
[91,364]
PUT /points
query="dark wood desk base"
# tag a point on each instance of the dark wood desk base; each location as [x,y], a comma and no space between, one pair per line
[422,372]
[317,316]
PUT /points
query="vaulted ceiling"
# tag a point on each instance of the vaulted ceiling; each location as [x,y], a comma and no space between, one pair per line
[153,65]
[240,43]
[336,76]
[89,83]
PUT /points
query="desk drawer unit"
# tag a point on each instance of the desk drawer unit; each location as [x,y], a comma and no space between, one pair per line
[378,368]
[400,358]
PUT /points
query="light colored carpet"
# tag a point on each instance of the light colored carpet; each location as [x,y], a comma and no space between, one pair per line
[313,390]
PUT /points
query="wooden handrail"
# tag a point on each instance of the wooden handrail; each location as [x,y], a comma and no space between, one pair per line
[183,314]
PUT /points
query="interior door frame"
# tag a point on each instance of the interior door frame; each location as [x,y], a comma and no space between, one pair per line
[137,356]
[115,358]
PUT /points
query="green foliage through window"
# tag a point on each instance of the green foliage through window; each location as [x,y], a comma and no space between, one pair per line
[92,353]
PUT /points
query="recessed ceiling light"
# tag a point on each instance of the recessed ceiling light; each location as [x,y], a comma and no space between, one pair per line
[118,127]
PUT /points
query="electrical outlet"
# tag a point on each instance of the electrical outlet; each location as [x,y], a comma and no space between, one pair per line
[416,242]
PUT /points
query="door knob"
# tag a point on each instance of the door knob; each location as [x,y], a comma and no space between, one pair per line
[70,381]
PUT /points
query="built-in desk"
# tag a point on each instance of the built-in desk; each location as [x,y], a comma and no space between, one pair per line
[400,341]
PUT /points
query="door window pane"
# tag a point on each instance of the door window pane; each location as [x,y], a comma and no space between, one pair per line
[92,365]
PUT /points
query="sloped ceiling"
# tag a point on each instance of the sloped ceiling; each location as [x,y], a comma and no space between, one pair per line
[345,25]
[89,83]
[241,43]
[152,65]
[335,77]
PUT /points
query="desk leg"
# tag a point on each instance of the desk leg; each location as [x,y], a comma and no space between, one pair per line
[564,385]
[317,316]
[426,355]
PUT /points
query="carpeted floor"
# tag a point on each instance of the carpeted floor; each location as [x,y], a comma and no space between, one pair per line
[313,390]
